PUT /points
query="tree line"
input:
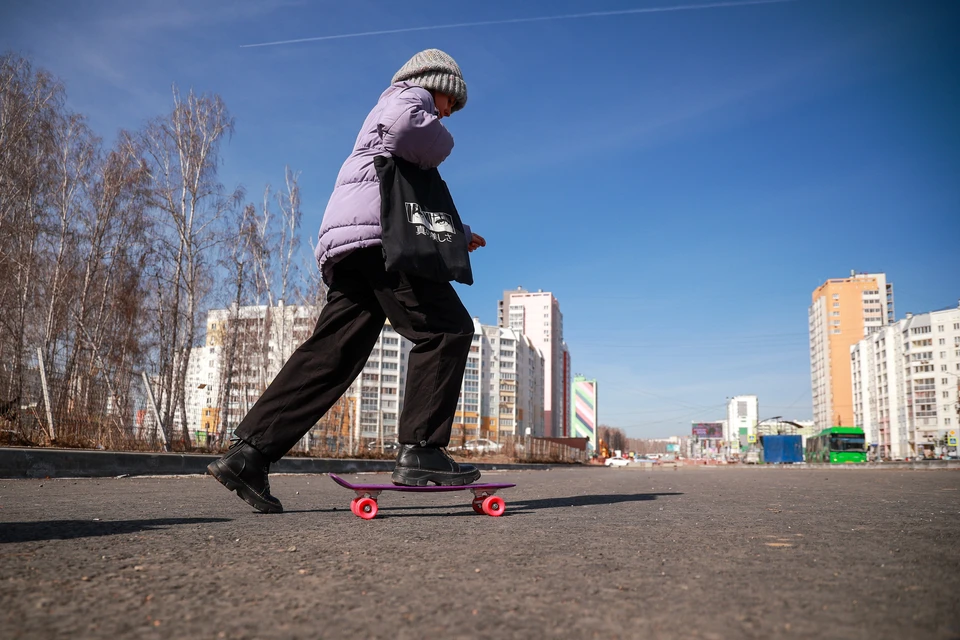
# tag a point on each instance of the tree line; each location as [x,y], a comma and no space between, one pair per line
[111,255]
[615,438]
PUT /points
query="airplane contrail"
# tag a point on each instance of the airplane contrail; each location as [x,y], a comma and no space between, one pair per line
[570,16]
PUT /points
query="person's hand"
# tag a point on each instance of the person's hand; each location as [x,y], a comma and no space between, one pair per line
[476,240]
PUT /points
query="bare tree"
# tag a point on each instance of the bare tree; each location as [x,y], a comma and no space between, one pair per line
[613,438]
[184,152]
[71,249]
[289,241]
[107,312]
[108,258]
[287,251]
[237,259]
[29,106]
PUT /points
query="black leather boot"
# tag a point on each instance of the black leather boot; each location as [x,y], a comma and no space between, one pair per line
[244,469]
[419,466]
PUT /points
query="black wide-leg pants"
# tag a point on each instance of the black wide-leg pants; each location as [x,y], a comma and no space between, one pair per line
[362,295]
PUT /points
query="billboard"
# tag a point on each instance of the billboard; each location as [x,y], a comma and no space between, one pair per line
[708,430]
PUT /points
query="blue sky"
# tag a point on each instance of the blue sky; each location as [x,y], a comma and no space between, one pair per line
[680,180]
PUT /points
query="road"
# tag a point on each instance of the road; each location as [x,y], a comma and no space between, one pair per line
[709,553]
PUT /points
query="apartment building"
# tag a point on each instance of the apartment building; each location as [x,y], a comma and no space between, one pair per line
[740,427]
[378,390]
[502,390]
[537,316]
[585,420]
[878,380]
[500,394]
[244,349]
[842,313]
[906,385]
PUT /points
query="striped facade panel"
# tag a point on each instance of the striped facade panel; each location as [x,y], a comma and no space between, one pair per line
[585,409]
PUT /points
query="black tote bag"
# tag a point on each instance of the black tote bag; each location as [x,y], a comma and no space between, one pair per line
[421,230]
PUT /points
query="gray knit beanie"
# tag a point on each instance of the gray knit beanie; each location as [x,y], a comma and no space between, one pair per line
[434,70]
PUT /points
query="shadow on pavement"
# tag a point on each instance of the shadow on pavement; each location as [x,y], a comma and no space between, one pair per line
[587,500]
[513,507]
[69,529]
[527,506]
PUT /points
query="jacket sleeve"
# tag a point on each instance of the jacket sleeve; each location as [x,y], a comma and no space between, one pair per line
[409,129]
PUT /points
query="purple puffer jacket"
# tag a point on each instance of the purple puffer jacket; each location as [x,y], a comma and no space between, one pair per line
[403,124]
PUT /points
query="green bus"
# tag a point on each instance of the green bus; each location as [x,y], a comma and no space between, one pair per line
[837,445]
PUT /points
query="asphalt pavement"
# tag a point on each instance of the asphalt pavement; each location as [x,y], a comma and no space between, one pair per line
[710,553]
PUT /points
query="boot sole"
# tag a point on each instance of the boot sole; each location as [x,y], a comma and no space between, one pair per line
[231,481]
[421,478]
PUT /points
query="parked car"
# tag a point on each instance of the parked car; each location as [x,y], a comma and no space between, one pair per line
[616,461]
[482,445]
[752,457]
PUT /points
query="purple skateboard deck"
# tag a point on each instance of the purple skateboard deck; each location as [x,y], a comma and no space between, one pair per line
[365,504]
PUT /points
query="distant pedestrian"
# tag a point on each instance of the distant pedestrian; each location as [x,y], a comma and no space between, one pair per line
[405,123]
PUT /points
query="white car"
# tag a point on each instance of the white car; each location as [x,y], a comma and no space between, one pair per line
[616,461]
[482,445]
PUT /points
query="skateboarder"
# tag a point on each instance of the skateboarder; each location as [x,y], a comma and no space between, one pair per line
[361,295]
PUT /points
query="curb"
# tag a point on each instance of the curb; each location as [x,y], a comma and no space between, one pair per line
[822,466]
[79,463]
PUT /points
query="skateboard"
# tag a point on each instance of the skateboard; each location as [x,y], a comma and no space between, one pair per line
[365,504]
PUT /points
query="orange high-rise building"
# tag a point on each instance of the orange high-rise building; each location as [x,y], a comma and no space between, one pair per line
[843,311]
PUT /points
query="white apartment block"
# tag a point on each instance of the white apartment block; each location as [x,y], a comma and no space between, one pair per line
[261,339]
[501,393]
[878,379]
[906,381]
[743,413]
[378,390]
[505,374]
[537,316]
